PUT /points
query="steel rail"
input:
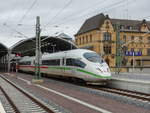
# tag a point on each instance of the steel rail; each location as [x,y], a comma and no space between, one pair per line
[30,97]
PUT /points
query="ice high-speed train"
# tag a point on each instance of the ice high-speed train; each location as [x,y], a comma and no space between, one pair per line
[78,63]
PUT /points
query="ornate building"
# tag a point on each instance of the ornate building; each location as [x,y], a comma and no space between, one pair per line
[110,37]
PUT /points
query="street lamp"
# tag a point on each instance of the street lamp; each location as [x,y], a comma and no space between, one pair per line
[133,61]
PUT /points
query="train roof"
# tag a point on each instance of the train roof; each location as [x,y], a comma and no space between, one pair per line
[72,53]
[75,53]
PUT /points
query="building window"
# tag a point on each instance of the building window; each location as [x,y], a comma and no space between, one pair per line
[124,48]
[83,40]
[79,40]
[106,36]
[124,38]
[132,37]
[129,27]
[132,62]
[148,51]
[148,38]
[76,40]
[90,38]
[132,49]
[140,38]
[107,49]
[122,27]
[86,39]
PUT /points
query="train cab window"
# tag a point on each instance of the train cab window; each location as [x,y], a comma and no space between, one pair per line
[54,62]
[75,62]
[93,57]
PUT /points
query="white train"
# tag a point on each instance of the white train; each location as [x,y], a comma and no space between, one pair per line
[78,63]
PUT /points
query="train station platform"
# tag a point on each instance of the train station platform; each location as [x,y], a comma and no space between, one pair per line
[131,81]
[133,76]
[2,108]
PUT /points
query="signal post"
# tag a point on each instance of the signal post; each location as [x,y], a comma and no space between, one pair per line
[37,78]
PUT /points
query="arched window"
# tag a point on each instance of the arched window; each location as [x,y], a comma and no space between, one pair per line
[90,38]
[86,39]
[107,49]
[83,40]
[79,40]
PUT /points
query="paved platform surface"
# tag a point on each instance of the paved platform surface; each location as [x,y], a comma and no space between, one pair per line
[139,82]
[2,108]
[91,99]
[132,76]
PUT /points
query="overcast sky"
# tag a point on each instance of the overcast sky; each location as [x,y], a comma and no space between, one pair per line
[17,17]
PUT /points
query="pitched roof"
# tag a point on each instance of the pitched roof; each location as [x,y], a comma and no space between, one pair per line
[64,36]
[135,24]
[92,23]
[96,22]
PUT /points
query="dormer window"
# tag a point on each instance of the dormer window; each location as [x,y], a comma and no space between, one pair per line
[129,27]
[107,24]
[122,27]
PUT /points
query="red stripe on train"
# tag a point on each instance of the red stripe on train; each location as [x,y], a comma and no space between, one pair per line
[32,66]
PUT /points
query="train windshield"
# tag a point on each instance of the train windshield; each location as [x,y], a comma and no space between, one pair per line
[93,57]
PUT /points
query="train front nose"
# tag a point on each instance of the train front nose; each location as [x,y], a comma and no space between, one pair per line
[104,71]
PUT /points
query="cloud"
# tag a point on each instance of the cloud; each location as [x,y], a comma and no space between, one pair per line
[68,19]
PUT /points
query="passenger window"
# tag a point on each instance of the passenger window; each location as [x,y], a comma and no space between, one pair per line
[75,62]
[25,63]
[51,62]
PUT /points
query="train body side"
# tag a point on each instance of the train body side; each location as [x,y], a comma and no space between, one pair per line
[69,64]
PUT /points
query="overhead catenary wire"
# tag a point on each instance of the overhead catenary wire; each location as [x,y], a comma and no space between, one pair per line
[80,15]
[16,31]
[28,10]
[65,6]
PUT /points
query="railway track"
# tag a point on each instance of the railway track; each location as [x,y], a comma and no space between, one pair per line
[132,94]
[122,92]
[16,100]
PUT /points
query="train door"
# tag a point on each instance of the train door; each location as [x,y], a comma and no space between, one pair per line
[63,66]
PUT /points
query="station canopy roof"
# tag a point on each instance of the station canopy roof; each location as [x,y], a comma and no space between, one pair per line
[49,44]
[3,50]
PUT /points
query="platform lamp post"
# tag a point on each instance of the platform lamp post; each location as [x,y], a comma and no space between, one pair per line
[118,49]
[37,78]
[9,59]
[53,46]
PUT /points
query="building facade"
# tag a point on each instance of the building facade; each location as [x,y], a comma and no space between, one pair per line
[122,43]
